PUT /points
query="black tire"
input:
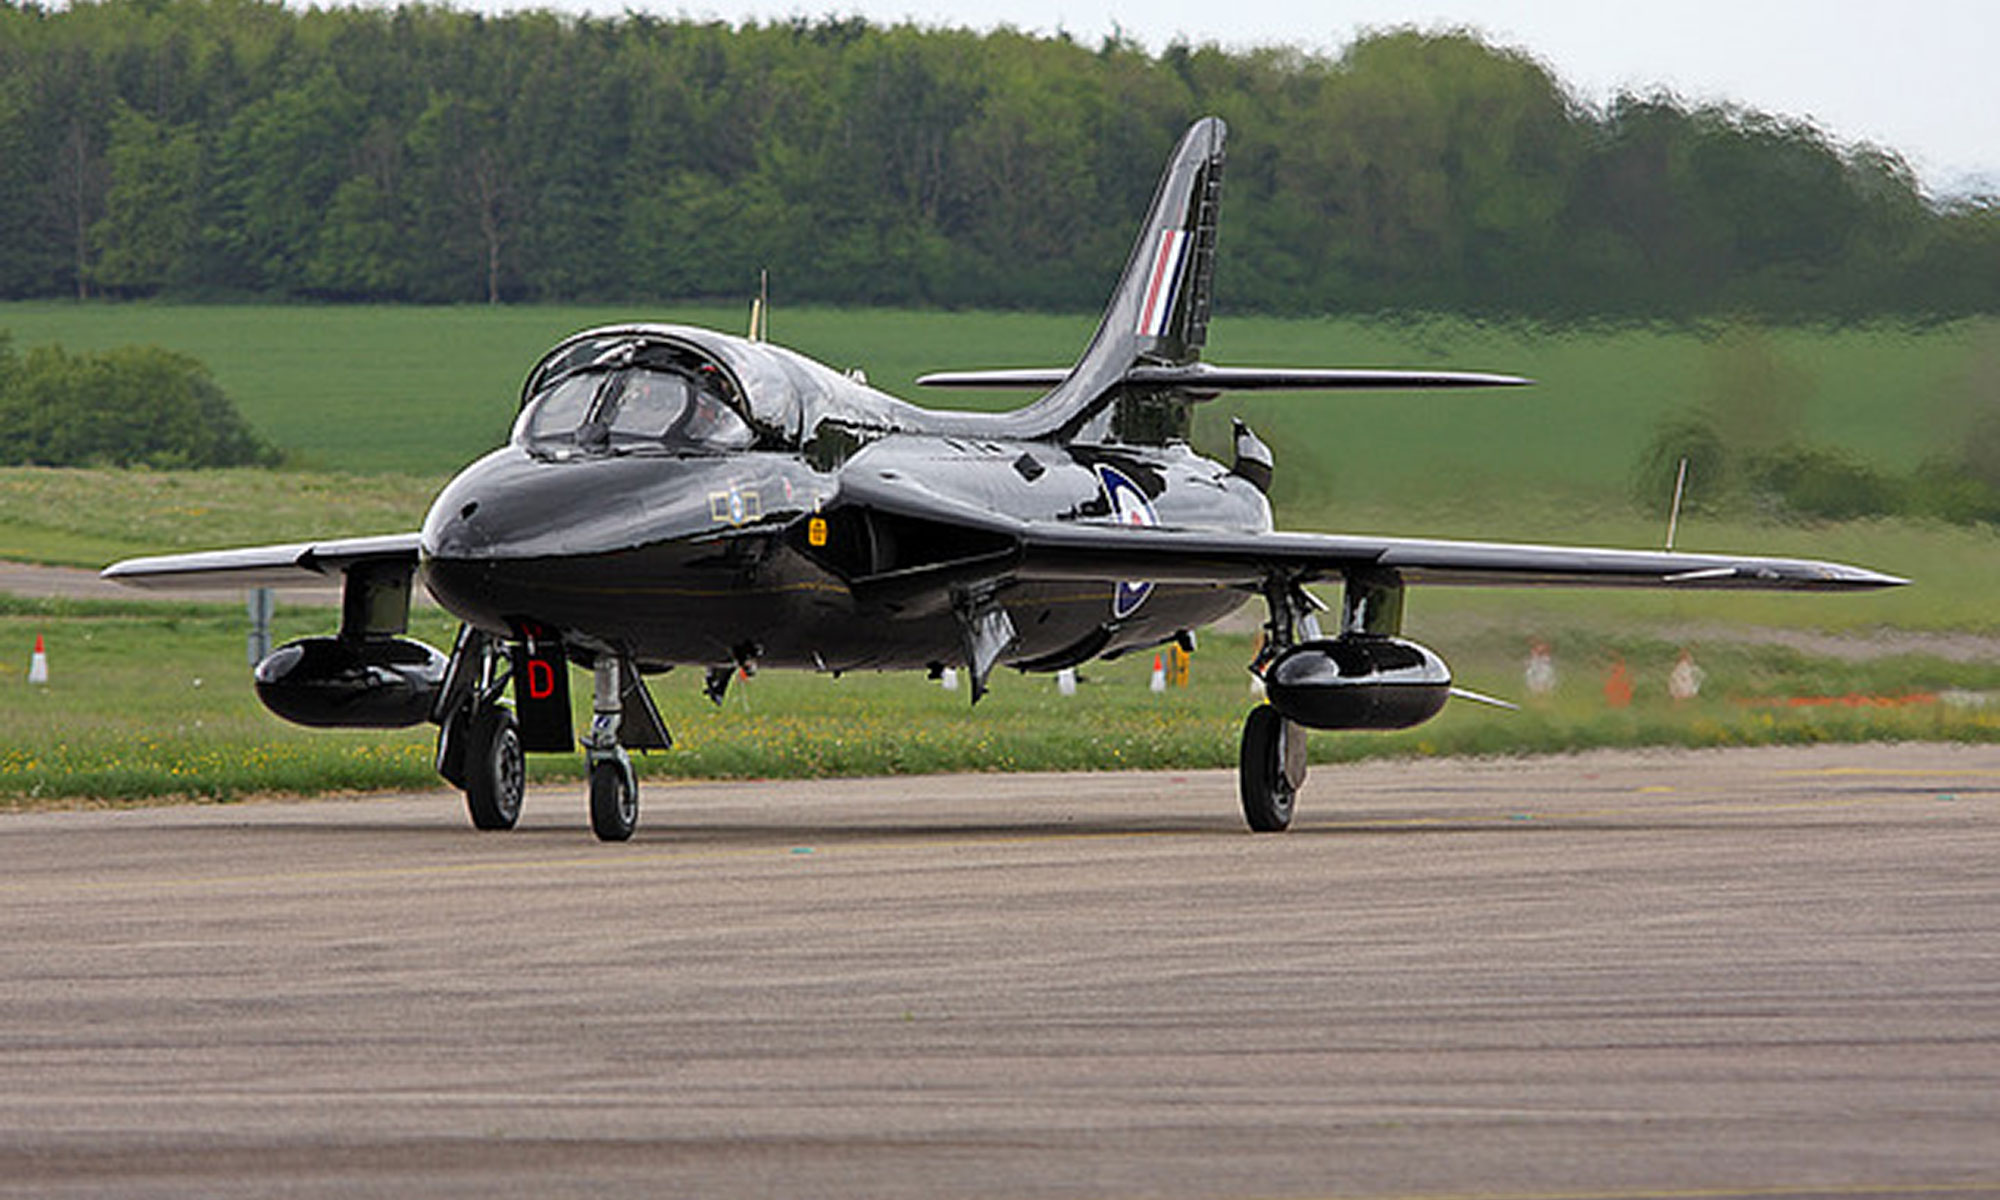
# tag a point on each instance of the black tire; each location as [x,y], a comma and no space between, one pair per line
[496,769]
[1266,785]
[614,801]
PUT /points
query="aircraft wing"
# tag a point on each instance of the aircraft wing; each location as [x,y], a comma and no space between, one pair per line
[1089,550]
[290,565]
[1245,559]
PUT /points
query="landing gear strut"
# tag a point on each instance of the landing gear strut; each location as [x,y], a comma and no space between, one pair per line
[479,746]
[483,741]
[1272,766]
[614,789]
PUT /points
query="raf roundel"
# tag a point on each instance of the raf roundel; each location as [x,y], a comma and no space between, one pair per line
[1129,506]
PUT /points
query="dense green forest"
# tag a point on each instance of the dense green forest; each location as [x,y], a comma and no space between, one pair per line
[238,148]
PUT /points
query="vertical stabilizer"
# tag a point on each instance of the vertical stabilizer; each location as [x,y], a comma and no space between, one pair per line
[1158,315]
[1167,281]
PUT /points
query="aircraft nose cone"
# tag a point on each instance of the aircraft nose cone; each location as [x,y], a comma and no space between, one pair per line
[467,518]
[454,532]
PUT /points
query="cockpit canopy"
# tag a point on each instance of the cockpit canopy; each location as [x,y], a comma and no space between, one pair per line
[624,396]
[683,390]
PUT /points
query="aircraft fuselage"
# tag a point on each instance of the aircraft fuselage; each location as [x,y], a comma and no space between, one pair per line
[710,560]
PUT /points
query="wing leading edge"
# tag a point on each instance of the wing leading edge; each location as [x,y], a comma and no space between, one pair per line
[1245,559]
[289,565]
[1080,550]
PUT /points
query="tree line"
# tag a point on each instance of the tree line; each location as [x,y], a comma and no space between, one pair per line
[243,149]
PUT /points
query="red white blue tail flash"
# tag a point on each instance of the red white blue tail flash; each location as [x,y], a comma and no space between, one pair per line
[1163,282]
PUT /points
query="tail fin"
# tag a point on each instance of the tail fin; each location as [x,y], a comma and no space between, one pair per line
[1142,372]
[1158,315]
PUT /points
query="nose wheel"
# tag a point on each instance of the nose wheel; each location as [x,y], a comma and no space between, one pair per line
[614,797]
[614,789]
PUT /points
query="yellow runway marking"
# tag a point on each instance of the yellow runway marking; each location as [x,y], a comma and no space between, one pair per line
[1893,772]
[1757,1193]
[1972,1188]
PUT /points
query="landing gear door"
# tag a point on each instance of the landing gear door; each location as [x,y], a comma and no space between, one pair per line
[541,695]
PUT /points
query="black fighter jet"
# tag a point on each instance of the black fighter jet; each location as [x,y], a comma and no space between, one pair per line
[673,496]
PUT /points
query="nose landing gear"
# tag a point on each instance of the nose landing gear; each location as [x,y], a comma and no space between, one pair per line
[614,789]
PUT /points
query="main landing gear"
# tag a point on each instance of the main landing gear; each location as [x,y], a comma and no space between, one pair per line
[1271,770]
[479,748]
[1271,767]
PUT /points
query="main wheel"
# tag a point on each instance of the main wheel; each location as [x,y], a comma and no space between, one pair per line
[614,800]
[1272,767]
[496,769]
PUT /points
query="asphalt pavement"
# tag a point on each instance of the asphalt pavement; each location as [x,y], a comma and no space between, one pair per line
[1741,973]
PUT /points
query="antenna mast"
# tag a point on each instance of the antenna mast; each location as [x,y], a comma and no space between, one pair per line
[1674,513]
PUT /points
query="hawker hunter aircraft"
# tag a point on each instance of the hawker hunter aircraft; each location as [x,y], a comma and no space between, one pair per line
[673,496]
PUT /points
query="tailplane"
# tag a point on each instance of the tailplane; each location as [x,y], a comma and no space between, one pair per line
[1142,371]
[1158,316]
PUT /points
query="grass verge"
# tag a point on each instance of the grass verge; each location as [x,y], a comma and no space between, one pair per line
[154,703]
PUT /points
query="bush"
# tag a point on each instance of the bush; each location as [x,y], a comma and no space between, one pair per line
[1814,482]
[1689,438]
[134,405]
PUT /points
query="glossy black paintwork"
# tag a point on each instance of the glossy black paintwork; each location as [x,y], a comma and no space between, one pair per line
[333,682]
[707,560]
[1358,681]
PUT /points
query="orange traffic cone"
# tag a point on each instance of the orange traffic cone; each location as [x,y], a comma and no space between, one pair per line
[1159,675]
[38,666]
[1618,685]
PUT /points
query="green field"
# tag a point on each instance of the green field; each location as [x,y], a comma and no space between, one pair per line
[421,391]
[376,407]
[149,700]
[380,405]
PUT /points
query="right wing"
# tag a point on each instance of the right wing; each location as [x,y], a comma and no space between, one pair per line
[1022,549]
[290,565]
[1246,559]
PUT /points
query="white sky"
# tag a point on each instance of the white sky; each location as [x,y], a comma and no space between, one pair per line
[1921,77]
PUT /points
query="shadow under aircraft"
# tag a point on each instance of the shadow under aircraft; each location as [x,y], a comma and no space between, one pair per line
[674,496]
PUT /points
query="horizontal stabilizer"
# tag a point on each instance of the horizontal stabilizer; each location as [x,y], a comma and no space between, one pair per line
[1200,377]
[1021,377]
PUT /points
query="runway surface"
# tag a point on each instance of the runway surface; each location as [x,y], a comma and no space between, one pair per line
[1744,973]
